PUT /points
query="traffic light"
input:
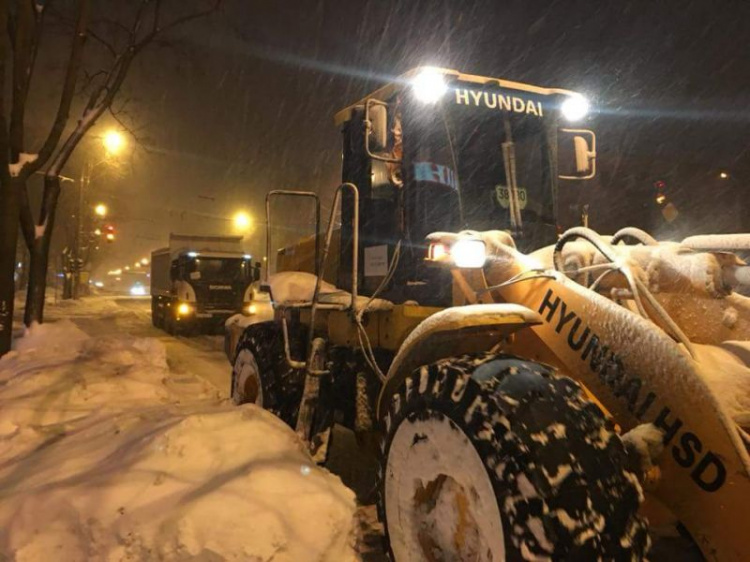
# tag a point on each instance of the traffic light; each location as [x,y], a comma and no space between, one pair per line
[109,233]
[668,209]
[661,197]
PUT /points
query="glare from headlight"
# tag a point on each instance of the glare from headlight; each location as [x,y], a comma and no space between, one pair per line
[575,108]
[429,85]
[184,309]
[250,309]
[138,290]
[468,253]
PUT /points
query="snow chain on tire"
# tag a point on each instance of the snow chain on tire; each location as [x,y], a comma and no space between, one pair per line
[556,466]
[281,385]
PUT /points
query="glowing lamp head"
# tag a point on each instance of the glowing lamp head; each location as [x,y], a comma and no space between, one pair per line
[250,309]
[183,309]
[575,108]
[242,220]
[470,254]
[113,142]
[429,85]
[100,210]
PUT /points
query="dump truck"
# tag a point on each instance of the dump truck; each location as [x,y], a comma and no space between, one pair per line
[531,391]
[197,282]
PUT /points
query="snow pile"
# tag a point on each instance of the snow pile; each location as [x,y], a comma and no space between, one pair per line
[107,455]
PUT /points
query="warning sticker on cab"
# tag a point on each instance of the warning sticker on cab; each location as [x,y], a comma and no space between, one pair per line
[436,173]
[503,196]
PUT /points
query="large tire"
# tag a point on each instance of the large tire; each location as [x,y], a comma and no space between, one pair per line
[490,457]
[261,374]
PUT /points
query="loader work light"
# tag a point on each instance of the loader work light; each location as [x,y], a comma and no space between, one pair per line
[437,252]
[429,85]
[575,108]
[183,309]
[469,253]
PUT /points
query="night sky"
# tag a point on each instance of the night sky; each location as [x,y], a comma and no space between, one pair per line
[242,103]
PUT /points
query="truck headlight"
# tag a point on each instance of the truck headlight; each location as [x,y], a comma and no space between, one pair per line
[429,85]
[469,253]
[183,309]
[575,108]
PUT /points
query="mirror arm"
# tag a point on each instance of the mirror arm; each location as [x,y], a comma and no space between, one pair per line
[368,130]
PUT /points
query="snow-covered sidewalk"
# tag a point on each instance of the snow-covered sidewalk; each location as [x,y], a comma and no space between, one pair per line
[107,455]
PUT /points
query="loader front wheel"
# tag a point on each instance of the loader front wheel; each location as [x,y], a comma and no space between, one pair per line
[261,374]
[489,457]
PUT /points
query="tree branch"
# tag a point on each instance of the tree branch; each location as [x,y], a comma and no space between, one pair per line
[23,48]
[4,140]
[69,88]
[99,39]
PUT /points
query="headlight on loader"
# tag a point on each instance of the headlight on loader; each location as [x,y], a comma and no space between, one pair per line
[469,253]
[575,108]
[249,309]
[184,309]
[429,85]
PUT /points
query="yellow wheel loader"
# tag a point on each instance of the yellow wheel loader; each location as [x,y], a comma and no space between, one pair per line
[534,393]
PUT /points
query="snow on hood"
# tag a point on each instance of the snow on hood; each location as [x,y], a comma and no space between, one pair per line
[107,455]
[290,287]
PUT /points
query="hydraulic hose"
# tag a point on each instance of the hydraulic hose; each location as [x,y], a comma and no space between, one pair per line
[636,233]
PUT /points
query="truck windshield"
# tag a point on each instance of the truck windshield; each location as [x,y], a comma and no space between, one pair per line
[225,270]
[462,148]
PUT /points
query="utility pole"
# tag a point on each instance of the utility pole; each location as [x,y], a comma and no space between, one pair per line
[80,226]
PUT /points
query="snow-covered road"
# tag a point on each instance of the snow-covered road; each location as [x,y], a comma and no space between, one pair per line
[202,356]
[114,447]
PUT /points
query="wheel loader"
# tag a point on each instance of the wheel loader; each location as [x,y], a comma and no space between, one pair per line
[534,393]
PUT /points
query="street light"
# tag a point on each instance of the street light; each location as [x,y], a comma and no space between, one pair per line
[241,220]
[144,261]
[723,175]
[113,142]
[101,210]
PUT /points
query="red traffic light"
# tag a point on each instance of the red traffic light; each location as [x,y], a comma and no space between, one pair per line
[660,184]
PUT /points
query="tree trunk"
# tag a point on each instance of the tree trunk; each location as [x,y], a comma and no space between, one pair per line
[9,209]
[39,262]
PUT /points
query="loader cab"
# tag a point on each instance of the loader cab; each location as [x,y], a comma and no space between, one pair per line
[438,150]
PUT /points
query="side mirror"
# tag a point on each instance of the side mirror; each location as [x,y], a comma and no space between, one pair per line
[378,133]
[376,130]
[583,152]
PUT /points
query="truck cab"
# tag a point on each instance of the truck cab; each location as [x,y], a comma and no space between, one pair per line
[199,282]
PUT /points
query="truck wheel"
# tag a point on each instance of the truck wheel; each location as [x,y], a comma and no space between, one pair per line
[490,457]
[261,374]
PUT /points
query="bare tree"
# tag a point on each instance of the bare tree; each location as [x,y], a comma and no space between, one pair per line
[124,41]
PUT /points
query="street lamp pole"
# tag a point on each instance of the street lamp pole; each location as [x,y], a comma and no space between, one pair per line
[77,250]
[113,142]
